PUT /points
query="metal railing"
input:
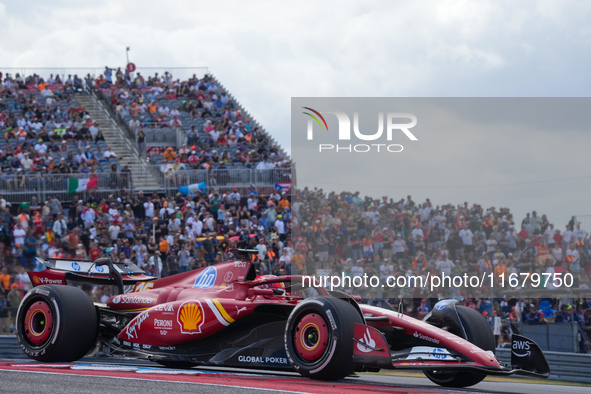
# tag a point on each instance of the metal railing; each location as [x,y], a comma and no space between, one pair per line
[585,221]
[570,367]
[16,189]
[229,177]
[118,136]
[23,187]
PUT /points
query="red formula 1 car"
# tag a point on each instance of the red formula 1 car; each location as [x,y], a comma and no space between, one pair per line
[224,315]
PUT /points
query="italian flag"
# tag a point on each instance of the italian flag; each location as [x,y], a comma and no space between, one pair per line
[79,185]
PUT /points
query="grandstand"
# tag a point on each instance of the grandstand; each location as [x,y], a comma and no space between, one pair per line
[107,106]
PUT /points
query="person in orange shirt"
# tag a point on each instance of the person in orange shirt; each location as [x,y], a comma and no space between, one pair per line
[501,269]
[299,259]
[169,154]
[152,108]
[163,247]
[283,203]
[5,279]
[419,260]
[541,248]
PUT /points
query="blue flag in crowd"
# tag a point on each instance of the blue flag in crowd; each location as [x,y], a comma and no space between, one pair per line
[191,190]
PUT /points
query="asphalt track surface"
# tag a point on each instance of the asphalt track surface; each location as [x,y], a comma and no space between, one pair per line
[121,376]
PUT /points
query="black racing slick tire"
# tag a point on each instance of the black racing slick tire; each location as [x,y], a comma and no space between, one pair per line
[319,338]
[478,332]
[56,323]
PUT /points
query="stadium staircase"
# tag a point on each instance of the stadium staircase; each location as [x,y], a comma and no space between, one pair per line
[123,146]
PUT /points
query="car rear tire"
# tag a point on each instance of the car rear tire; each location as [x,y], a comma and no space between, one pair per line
[478,332]
[319,338]
[56,323]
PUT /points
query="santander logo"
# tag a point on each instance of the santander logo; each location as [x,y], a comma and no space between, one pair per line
[425,337]
[367,340]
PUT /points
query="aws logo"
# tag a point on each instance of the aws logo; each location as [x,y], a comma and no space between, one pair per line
[389,125]
[190,317]
[521,348]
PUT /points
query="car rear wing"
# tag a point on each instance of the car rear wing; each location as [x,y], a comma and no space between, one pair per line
[89,267]
[101,271]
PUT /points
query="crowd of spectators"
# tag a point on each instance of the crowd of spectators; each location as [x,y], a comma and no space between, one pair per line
[218,134]
[345,234]
[44,132]
[162,235]
[407,238]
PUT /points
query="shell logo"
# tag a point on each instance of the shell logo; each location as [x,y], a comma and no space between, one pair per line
[190,317]
[36,279]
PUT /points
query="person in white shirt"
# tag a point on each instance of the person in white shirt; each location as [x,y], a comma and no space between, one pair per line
[80,158]
[467,236]
[285,257]
[41,147]
[251,202]
[26,162]
[156,262]
[114,230]
[166,209]
[214,135]
[134,125]
[198,227]
[425,212]
[35,125]
[262,248]
[60,227]
[149,207]
[163,110]
[280,226]
[19,235]
[578,234]
[549,234]
[88,216]
[491,244]
[235,195]
[567,236]
[445,266]
[21,122]
[109,153]
[209,222]
[418,232]
[262,165]
[93,130]
[141,251]
[357,270]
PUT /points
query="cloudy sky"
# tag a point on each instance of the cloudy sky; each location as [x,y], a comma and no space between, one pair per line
[266,52]
[522,153]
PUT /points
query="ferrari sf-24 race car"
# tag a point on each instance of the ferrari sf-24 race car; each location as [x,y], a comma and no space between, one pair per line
[224,315]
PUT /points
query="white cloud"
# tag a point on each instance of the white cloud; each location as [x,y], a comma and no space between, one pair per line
[266,52]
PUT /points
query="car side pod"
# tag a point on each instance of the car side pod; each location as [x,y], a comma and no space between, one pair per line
[527,357]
